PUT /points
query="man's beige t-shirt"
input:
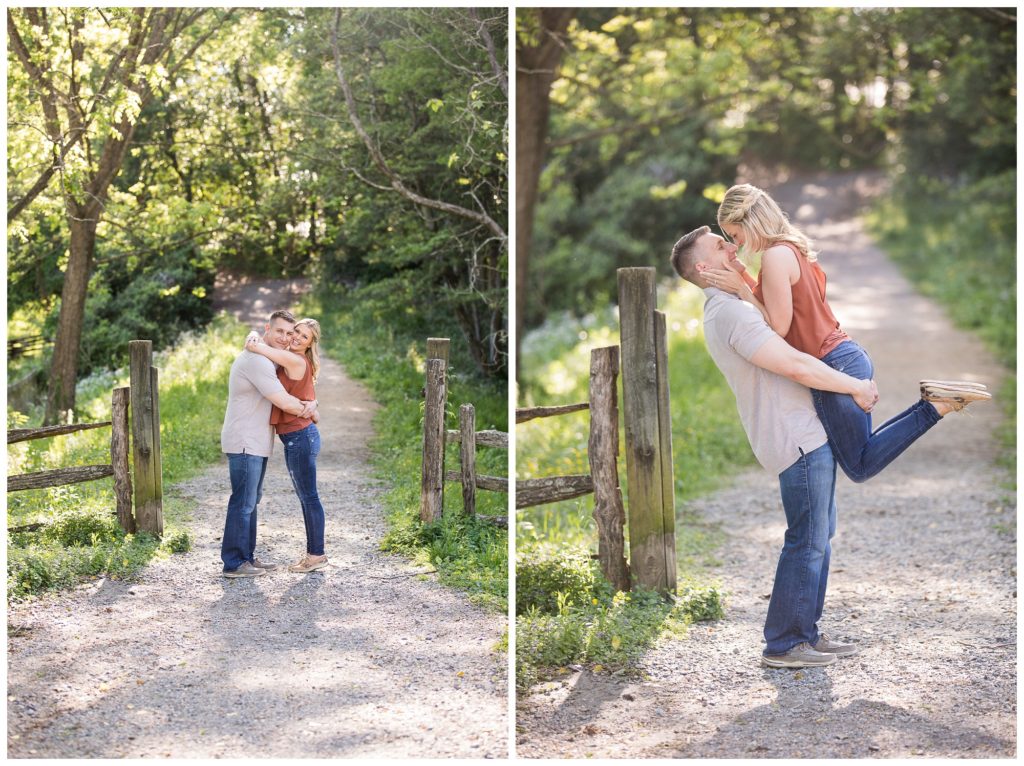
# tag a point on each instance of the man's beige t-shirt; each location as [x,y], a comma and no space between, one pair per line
[247,420]
[777,413]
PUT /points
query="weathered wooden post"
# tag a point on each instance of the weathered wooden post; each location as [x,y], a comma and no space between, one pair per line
[149,514]
[432,476]
[602,452]
[467,457]
[668,493]
[651,538]
[119,457]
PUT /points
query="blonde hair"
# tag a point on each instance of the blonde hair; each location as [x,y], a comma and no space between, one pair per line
[313,350]
[762,220]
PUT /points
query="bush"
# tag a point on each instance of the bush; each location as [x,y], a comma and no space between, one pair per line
[546,584]
[610,634]
[81,528]
[179,541]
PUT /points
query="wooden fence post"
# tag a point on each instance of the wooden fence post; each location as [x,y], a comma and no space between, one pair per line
[146,435]
[603,450]
[432,482]
[467,457]
[437,348]
[668,493]
[649,547]
[119,457]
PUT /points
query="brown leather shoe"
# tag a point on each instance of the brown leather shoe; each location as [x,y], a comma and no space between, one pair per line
[309,563]
[956,383]
[827,645]
[955,393]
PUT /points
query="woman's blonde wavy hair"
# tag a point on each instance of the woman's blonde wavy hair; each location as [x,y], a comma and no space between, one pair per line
[313,351]
[762,220]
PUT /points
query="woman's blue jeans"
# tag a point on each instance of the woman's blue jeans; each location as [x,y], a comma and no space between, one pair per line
[300,451]
[238,544]
[860,453]
[808,490]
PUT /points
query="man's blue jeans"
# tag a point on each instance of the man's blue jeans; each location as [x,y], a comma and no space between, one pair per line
[809,498]
[860,453]
[239,542]
[300,451]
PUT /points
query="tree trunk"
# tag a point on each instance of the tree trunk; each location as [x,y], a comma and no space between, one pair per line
[536,70]
[64,371]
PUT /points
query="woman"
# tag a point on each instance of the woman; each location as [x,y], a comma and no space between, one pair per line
[298,369]
[790,293]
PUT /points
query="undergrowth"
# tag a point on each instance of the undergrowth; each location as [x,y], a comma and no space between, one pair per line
[60,535]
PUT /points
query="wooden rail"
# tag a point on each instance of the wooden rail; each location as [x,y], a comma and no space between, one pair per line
[21,346]
[603,479]
[142,401]
[118,466]
[27,434]
[529,413]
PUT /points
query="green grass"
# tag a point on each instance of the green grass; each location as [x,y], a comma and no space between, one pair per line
[467,553]
[579,620]
[958,246]
[79,536]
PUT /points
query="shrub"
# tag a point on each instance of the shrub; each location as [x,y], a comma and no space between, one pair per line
[78,528]
[179,541]
[545,584]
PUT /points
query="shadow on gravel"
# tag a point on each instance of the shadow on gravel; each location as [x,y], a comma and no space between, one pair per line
[803,722]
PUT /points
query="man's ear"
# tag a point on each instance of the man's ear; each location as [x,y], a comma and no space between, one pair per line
[700,266]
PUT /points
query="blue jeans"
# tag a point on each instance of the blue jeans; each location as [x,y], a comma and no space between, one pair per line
[238,544]
[860,453]
[300,451]
[808,490]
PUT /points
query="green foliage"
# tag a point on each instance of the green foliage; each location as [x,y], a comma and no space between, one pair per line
[388,357]
[957,244]
[549,584]
[79,528]
[587,623]
[80,536]
[654,106]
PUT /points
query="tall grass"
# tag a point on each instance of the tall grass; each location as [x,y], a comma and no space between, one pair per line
[467,553]
[958,246]
[78,535]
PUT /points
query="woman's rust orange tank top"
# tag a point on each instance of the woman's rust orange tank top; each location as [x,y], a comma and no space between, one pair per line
[814,329]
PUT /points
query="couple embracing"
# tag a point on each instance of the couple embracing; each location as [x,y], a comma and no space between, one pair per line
[271,390]
[804,392]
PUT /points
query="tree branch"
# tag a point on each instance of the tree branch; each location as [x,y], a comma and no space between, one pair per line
[381,163]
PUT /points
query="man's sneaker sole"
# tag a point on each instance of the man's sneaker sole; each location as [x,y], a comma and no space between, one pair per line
[306,570]
[236,574]
[782,661]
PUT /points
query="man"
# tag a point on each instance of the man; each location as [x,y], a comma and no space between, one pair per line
[771,380]
[248,440]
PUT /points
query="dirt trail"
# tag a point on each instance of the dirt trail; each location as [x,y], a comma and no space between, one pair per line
[923,571]
[365,659]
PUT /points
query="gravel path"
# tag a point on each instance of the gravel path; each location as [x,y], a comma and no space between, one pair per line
[923,573]
[363,659]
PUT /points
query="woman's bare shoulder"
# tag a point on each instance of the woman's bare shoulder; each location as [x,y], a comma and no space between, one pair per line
[779,257]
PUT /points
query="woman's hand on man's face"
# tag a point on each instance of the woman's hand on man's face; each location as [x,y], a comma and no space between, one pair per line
[727,279]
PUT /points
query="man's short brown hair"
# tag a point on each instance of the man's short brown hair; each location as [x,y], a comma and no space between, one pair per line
[282,314]
[684,254]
